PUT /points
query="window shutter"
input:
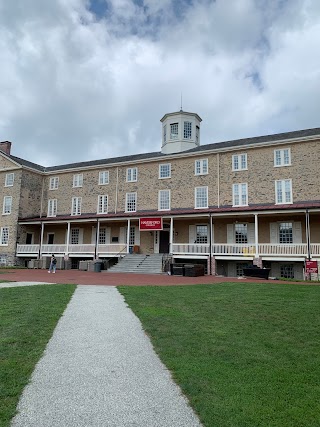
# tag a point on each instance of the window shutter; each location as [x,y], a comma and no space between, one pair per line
[137,236]
[123,235]
[80,236]
[192,233]
[108,235]
[230,233]
[251,232]
[274,232]
[297,232]
[93,235]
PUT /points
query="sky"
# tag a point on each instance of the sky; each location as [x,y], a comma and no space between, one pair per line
[90,79]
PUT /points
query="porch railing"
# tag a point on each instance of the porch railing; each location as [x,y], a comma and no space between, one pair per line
[28,249]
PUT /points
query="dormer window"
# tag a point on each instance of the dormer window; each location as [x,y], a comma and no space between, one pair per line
[174,131]
[187,130]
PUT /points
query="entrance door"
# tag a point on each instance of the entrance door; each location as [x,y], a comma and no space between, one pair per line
[29,238]
[50,238]
[164,242]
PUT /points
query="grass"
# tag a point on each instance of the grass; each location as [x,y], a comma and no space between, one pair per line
[246,355]
[28,316]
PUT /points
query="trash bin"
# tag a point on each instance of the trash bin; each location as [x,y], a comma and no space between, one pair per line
[130,249]
[97,266]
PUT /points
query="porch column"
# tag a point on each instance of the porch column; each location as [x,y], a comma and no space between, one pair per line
[128,236]
[68,239]
[171,235]
[210,249]
[308,234]
[97,239]
[41,240]
[256,235]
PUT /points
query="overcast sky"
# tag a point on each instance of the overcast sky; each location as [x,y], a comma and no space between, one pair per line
[89,79]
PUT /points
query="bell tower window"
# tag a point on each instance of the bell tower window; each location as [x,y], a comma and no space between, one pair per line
[187,130]
[174,131]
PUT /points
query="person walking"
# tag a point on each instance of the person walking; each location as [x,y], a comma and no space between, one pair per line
[53,263]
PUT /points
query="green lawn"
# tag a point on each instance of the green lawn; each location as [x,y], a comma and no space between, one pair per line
[244,354]
[28,316]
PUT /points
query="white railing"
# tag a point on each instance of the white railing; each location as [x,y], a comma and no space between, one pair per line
[315,249]
[291,249]
[88,249]
[53,249]
[233,249]
[194,248]
[112,248]
[27,249]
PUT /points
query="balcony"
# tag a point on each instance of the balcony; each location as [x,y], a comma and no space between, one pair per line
[111,249]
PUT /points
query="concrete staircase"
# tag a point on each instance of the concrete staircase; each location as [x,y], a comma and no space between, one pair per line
[137,263]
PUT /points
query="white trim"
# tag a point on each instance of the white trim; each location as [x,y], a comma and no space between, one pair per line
[195,197]
[161,165]
[276,258]
[239,162]
[283,192]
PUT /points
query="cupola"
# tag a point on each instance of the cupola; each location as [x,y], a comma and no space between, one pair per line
[180,132]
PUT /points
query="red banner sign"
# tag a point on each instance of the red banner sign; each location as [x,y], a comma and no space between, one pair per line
[150,224]
[311,267]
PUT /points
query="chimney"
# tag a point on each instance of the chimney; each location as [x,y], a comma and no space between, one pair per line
[5,146]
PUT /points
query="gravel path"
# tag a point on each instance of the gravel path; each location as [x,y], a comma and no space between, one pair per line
[99,369]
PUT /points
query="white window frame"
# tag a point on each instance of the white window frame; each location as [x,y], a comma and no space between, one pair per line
[201,167]
[239,162]
[103,177]
[198,197]
[102,207]
[164,200]
[76,206]
[54,183]
[52,207]
[165,171]
[280,189]
[9,179]
[174,130]
[132,208]
[7,205]
[77,180]
[132,174]
[281,159]
[187,130]
[4,236]
[74,236]
[240,194]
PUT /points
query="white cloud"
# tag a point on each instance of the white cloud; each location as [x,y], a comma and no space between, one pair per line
[75,86]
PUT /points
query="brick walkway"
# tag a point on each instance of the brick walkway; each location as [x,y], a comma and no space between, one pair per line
[115,279]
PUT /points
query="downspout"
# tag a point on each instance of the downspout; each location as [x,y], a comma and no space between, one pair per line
[210,241]
[218,180]
[116,198]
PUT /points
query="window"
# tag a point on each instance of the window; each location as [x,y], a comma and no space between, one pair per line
[78,180]
[9,179]
[102,236]
[283,191]
[132,174]
[52,207]
[187,130]
[164,200]
[282,157]
[4,236]
[201,234]
[287,271]
[76,206]
[241,234]
[285,232]
[165,171]
[239,268]
[102,204]
[240,194]
[174,131]
[103,177]
[201,197]
[132,234]
[197,134]
[239,162]
[164,133]
[201,167]
[7,205]
[54,183]
[131,202]
[74,237]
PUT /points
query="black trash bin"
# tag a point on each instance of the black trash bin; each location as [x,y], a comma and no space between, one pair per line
[98,266]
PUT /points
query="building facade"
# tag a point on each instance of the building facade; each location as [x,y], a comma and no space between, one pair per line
[227,205]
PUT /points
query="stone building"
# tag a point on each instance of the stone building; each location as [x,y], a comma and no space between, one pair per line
[227,205]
